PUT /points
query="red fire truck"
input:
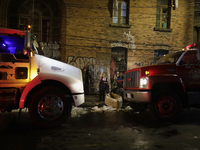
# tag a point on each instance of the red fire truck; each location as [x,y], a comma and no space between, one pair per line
[168,86]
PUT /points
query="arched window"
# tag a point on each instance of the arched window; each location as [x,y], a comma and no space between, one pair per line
[43,15]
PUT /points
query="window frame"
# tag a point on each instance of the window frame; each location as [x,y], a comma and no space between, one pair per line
[119,13]
[161,6]
[23,25]
[44,33]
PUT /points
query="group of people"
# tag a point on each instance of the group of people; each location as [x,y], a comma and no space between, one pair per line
[104,85]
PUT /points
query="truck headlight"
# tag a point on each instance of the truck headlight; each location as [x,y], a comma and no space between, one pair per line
[144,82]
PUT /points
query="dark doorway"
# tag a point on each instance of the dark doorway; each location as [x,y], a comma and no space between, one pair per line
[119,55]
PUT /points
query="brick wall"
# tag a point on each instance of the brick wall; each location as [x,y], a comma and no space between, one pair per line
[86,30]
[87,36]
[89,32]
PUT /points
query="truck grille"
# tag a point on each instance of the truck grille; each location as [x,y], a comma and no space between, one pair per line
[131,79]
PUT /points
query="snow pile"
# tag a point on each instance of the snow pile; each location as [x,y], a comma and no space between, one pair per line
[128,108]
[78,111]
[104,108]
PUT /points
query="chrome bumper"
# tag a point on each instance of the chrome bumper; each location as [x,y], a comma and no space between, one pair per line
[137,96]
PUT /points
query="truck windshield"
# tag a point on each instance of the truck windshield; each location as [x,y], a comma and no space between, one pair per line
[11,44]
[170,58]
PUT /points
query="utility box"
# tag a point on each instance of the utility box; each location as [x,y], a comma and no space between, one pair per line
[113,100]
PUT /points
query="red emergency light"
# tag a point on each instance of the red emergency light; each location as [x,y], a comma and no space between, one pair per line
[193,46]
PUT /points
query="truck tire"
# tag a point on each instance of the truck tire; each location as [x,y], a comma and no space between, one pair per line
[49,107]
[166,106]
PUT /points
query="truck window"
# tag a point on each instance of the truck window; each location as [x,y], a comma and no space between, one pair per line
[170,58]
[190,58]
[21,56]
[7,58]
[11,43]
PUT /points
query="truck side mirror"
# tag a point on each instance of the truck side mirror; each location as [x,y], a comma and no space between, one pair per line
[27,42]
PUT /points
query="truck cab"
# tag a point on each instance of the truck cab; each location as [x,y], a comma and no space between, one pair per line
[45,86]
[168,86]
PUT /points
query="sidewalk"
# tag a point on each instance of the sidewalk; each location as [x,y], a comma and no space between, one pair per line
[93,100]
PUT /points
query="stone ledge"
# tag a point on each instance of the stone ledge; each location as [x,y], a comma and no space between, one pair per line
[162,29]
[120,25]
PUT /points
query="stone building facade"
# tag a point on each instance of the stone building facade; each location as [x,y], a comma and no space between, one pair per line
[113,35]
[196,34]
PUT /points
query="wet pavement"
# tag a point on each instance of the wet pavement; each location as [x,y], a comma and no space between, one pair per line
[92,128]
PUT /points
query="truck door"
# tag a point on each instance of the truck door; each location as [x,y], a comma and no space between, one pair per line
[14,70]
[189,70]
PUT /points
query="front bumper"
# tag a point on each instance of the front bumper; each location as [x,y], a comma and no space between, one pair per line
[137,96]
[78,99]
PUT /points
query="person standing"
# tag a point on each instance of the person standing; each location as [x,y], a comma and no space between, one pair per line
[120,80]
[102,86]
[120,84]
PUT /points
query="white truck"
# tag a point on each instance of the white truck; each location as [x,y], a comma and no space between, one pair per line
[45,86]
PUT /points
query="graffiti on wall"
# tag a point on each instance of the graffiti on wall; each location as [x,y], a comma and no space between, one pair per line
[81,62]
[143,63]
[128,37]
[90,72]
[51,49]
[91,78]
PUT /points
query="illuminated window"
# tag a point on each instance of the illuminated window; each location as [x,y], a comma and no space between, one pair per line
[163,13]
[120,11]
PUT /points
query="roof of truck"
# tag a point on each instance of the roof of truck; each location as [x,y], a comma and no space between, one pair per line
[6,31]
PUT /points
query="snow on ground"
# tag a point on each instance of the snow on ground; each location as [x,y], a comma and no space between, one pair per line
[78,111]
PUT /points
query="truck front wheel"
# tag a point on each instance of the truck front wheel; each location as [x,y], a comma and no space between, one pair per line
[166,106]
[49,107]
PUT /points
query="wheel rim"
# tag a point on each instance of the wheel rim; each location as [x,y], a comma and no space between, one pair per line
[50,107]
[166,106]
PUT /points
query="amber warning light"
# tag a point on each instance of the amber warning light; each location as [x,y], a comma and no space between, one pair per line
[29,27]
